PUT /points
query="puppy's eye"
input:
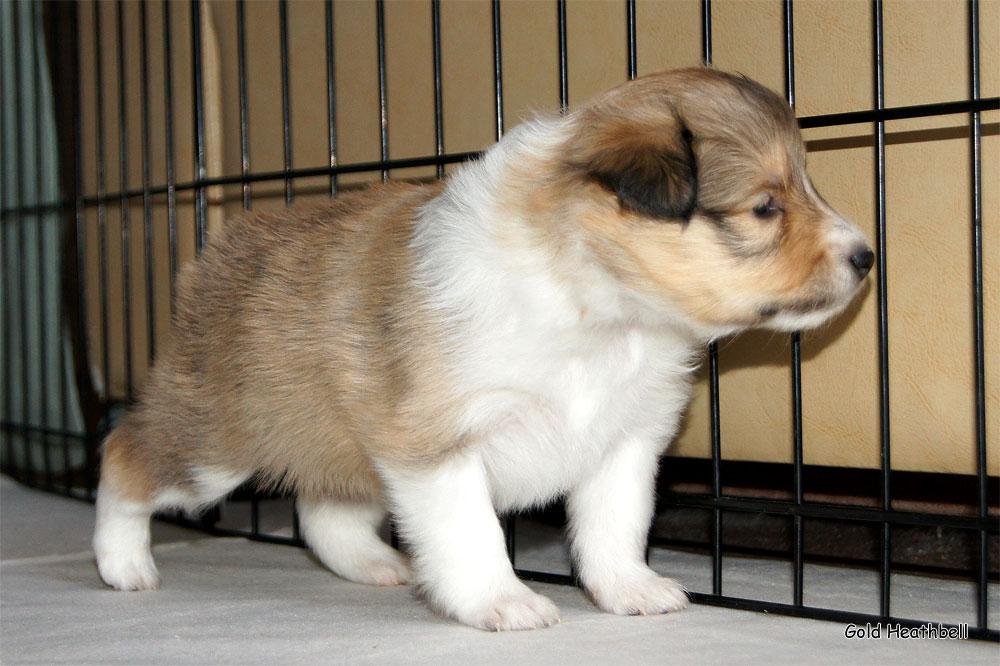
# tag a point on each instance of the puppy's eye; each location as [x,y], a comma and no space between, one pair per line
[767,210]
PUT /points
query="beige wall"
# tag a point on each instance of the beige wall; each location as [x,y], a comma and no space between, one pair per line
[928,175]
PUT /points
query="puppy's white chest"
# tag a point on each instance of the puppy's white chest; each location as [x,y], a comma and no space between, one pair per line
[591,384]
[565,405]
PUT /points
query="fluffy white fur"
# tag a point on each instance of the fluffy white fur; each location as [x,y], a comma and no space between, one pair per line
[563,406]
[345,538]
[459,552]
[121,532]
[121,543]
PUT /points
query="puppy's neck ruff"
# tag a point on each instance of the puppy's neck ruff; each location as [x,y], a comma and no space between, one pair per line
[555,354]
[503,225]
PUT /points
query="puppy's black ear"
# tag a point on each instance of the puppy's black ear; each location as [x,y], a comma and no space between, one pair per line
[652,171]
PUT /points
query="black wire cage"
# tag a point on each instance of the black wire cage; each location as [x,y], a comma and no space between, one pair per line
[53,444]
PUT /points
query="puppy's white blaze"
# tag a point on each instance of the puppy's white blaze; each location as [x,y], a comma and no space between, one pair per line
[610,514]
[345,538]
[121,543]
[844,238]
[459,553]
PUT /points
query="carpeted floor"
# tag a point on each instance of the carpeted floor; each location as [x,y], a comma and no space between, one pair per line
[235,601]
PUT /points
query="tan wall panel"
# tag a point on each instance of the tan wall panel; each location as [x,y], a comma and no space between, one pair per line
[530,59]
[830,78]
[264,110]
[668,35]
[469,95]
[410,91]
[357,86]
[747,37]
[596,47]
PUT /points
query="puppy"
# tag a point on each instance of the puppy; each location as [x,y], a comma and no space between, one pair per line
[523,332]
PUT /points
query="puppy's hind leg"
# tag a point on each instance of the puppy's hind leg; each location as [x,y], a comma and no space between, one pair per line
[128,495]
[343,535]
[124,506]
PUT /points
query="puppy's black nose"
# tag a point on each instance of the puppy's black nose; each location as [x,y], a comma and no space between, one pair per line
[862,261]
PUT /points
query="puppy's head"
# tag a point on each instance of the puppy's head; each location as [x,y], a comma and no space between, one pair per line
[693,190]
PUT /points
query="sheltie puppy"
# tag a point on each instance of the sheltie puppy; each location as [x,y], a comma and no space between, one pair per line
[524,331]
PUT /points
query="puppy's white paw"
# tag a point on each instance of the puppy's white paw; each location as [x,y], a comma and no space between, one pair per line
[387,567]
[643,594]
[128,571]
[525,610]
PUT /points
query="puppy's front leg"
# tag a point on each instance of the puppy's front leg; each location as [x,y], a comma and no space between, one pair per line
[609,516]
[459,557]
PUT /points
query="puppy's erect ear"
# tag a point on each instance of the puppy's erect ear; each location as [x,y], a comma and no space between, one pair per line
[652,170]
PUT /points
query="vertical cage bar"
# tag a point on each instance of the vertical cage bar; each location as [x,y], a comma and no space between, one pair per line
[713,372]
[6,280]
[563,96]
[383,118]
[796,348]
[714,416]
[286,111]
[102,214]
[798,525]
[438,107]
[630,44]
[498,68]
[241,49]
[241,56]
[22,242]
[382,99]
[43,327]
[982,602]
[61,357]
[201,203]
[883,315]
[168,135]
[630,26]
[331,96]
[563,65]
[123,202]
[510,538]
[510,524]
[706,31]
[255,516]
[286,132]
[65,298]
[147,200]
[80,230]
[209,519]
[789,26]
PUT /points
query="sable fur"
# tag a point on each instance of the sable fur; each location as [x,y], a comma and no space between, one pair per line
[301,311]
[522,332]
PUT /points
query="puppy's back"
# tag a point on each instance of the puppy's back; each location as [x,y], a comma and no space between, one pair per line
[287,334]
